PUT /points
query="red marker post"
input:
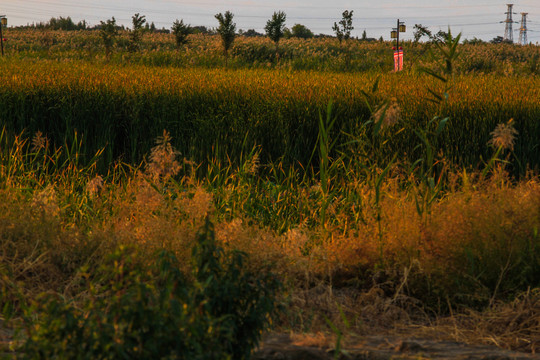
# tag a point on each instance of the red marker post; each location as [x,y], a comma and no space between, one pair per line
[398,60]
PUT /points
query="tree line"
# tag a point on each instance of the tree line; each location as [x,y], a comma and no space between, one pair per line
[67,24]
[275,30]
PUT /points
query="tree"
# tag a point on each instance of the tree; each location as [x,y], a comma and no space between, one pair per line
[252,33]
[441,36]
[200,30]
[137,31]
[275,27]
[227,31]
[61,23]
[420,31]
[287,34]
[500,40]
[108,34]
[82,25]
[474,41]
[343,30]
[181,32]
[300,31]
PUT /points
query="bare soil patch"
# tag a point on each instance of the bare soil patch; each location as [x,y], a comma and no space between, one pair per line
[317,347]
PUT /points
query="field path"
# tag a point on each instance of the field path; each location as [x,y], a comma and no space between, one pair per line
[283,347]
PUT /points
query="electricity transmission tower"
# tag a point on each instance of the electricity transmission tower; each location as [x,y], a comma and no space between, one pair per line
[523,29]
[508,33]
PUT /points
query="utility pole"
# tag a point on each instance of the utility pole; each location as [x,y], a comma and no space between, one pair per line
[523,29]
[3,22]
[508,34]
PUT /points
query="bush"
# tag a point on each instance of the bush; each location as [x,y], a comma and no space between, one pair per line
[155,313]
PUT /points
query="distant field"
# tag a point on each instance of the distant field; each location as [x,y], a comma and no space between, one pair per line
[321,54]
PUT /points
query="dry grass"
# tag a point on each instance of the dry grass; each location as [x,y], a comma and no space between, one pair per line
[508,325]
[511,325]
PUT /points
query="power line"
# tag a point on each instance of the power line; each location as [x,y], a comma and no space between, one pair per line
[248,5]
[301,18]
[191,13]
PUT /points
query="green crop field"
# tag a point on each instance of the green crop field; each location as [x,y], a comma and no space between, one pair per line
[315,173]
[121,109]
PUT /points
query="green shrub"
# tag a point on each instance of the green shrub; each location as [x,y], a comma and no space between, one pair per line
[157,312]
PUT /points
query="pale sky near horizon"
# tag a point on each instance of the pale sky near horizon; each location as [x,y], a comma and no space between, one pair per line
[473,18]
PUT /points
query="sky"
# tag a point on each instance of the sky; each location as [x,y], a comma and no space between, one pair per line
[482,19]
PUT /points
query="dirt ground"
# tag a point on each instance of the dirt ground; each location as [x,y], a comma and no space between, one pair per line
[317,347]
[276,346]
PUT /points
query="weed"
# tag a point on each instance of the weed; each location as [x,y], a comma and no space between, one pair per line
[157,312]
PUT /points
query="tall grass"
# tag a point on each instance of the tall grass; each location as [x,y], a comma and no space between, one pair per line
[479,244]
[485,230]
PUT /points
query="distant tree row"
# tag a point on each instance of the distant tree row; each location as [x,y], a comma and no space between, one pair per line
[66,23]
[275,30]
[62,23]
[108,31]
[296,31]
